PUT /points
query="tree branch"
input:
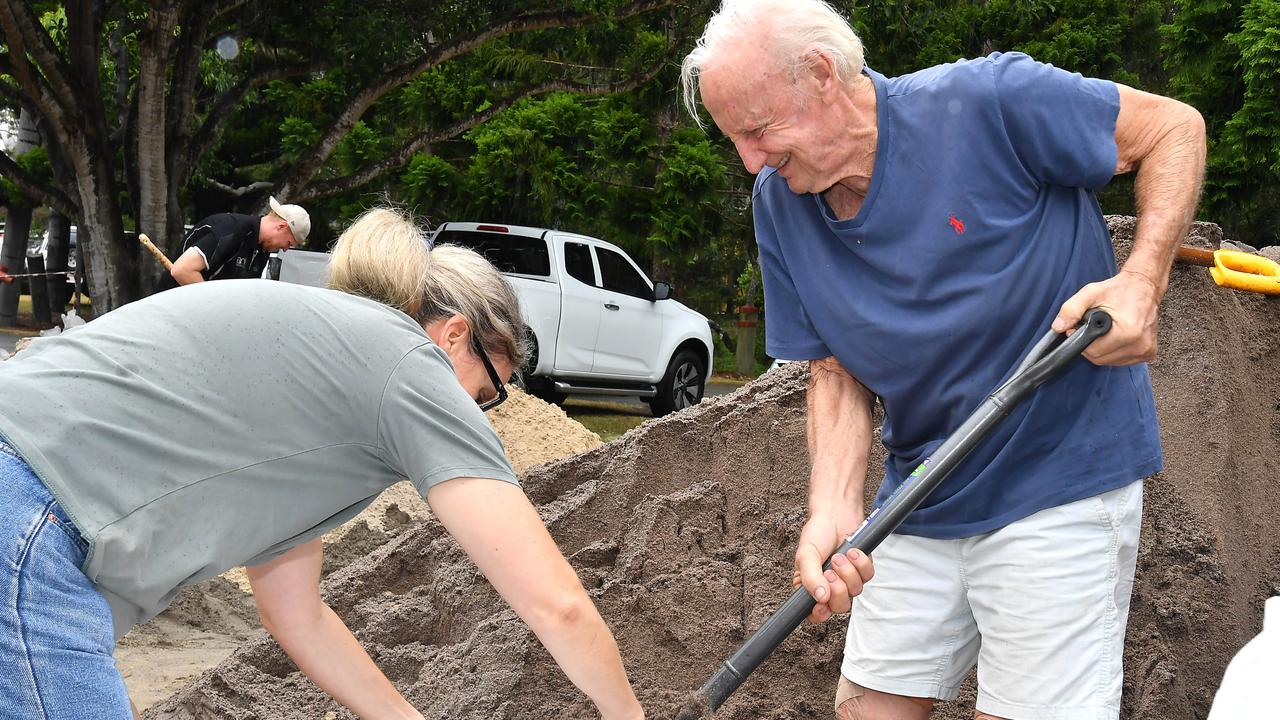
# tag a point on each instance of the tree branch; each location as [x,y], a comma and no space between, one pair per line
[49,87]
[302,172]
[194,22]
[221,112]
[239,191]
[84,44]
[34,87]
[121,53]
[15,95]
[425,139]
[215,10]
[37,191]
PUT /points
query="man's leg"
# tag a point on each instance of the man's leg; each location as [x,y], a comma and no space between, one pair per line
[858,703]
[911,635]
[1050,595]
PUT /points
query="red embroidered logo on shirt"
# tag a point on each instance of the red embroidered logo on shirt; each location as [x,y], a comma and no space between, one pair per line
[957,224]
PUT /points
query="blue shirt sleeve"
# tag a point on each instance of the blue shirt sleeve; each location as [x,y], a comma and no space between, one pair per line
[1062,125]
[789,334]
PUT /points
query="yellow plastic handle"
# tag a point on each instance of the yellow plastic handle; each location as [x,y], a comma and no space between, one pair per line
[1245,271]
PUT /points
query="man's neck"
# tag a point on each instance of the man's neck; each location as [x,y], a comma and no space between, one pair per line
[846,196]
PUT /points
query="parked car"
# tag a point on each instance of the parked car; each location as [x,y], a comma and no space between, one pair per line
[598,325]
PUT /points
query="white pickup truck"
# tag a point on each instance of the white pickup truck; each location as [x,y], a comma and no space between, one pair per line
[598,325]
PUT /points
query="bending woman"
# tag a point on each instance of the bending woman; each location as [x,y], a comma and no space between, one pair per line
[233,423]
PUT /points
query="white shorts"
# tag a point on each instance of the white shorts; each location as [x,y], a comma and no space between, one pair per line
[1039,605]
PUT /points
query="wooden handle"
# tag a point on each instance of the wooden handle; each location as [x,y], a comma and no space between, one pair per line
[1194,256]
[160,256]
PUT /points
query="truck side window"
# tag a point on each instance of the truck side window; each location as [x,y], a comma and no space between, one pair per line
[619,276]
[577,262]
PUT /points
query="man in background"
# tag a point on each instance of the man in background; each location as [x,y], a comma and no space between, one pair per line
[232,245]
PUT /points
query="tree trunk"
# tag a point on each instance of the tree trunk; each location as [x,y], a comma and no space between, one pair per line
[55,260]
[13,256]
[110,265]
[40,314]
[154,46]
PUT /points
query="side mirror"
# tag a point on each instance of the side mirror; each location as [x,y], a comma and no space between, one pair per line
[661,291]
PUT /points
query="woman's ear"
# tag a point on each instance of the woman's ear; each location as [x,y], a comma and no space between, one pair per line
[454,332]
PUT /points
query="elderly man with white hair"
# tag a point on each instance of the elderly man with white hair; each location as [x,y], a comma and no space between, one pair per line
[917,235]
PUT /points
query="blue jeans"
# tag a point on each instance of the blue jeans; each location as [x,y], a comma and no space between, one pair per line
[56,634]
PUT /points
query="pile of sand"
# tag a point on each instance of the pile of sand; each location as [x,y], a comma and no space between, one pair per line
[683,532]
[208,621]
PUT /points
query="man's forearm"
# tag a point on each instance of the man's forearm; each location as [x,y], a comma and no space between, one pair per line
[839,433]
[1167,190]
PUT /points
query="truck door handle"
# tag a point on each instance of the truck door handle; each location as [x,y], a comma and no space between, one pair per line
[611,306]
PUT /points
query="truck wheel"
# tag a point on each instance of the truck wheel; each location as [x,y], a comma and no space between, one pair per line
[538,386]
[682,386]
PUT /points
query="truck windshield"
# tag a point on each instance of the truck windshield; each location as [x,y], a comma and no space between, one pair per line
[514,254]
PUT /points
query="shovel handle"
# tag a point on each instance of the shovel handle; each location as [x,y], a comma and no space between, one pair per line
[1052,353]
[1194,256]
[155,251]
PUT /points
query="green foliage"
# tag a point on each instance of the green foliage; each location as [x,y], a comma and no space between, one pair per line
[685,211]
[1223,57]
[430,182]
[361,147]
[297,136]
[36,162]
[1244,163]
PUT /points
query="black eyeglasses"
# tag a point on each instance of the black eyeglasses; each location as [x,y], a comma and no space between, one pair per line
[500,390]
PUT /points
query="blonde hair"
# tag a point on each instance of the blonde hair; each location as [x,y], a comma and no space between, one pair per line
[793,31]
[385,257]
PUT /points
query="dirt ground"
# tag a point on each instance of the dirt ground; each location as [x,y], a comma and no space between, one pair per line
[208,621]
[683,532]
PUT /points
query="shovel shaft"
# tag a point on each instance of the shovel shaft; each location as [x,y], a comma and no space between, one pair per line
[1050,355]
[1194,256]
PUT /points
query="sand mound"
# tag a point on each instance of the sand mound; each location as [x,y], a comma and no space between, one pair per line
[208,621]
[683,532]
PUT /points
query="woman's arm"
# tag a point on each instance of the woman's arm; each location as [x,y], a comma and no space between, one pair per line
[502,533]
[287,591]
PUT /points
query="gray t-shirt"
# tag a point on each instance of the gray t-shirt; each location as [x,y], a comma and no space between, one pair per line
[220,424]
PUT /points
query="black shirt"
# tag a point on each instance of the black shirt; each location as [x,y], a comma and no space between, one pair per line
[229,244]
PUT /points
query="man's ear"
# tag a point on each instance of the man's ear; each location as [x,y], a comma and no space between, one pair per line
[820,74]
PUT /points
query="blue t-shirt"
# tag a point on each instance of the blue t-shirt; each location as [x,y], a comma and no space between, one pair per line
[979,223]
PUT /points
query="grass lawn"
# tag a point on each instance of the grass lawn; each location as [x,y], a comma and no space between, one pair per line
[27,323]
[607,419]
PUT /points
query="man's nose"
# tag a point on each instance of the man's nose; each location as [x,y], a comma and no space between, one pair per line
[753,158]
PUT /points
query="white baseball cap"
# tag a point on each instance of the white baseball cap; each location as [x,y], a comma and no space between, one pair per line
[298,219]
